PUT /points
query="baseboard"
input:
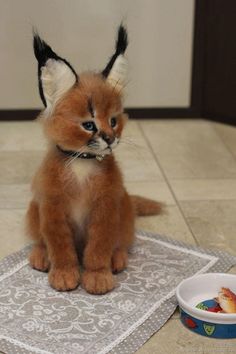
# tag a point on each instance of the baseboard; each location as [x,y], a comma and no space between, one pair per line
[18,114]
[220,118]
[135,113]
[162,113]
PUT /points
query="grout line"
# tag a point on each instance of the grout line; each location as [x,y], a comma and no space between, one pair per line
[169,204]
[207,200]
[202,178]
[13,208]
[167,181]
[223,142]
[23,150]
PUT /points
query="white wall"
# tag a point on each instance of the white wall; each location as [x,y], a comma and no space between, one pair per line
[83,31]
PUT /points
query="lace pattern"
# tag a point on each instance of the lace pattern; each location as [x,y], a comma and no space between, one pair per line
[34,318]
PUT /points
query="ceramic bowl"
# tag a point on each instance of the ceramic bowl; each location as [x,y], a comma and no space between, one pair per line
[197,289]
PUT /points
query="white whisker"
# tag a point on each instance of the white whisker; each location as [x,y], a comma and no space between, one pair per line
[77,154]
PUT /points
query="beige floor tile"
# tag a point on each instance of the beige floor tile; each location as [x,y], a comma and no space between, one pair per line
[204,189]
[134,156]
[173,337]
[150,189]
[171,224]
[21,136]
[12,235]
[137,164]
[132,130]
[189,149]
[228,135]
[14,196]
[212,222]
[18,167]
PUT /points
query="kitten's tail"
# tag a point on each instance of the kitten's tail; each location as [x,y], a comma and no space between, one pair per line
[144,206]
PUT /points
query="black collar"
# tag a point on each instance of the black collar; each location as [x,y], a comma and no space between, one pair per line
[75,154]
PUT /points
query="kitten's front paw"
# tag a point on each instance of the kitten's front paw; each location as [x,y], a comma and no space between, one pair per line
[38,259]
[64,279]
[98,282]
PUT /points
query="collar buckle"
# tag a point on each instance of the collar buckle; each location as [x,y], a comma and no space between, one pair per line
[100,157]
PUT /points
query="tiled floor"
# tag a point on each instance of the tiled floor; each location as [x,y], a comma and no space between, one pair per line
[190,165]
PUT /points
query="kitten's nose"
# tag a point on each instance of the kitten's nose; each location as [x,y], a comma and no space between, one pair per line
[107,138]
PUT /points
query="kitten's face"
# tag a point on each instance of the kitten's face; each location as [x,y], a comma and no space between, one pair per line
[89,118]
[84,112]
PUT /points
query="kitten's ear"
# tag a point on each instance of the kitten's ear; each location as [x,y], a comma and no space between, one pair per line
[55,74]
[116,69]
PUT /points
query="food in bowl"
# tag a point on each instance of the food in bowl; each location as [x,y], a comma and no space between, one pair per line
[224,303]
[227,300]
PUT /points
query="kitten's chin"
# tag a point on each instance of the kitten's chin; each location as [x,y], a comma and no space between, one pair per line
[103,148]
[106,151]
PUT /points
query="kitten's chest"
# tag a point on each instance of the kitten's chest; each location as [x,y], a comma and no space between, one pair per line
[84,172]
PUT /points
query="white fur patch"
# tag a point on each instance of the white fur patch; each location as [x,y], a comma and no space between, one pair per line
[118,73]
[79,214]
[57,78]
[83,169]
[102,144]
[115,143]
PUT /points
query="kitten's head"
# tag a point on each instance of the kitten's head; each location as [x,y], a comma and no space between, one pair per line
[83,113]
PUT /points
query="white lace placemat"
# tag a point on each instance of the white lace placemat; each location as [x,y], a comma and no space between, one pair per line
[34,318]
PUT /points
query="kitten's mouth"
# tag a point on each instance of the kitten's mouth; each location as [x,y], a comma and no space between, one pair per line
[106,151]
[99,152]
[97,147]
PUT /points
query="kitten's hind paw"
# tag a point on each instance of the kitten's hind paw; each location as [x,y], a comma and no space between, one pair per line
[119,261]
[38,258]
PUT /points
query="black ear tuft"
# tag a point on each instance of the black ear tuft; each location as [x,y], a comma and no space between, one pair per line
[121,45]
[43,52]
[122,40]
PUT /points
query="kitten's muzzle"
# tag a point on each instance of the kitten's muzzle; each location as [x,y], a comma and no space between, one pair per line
[109,139]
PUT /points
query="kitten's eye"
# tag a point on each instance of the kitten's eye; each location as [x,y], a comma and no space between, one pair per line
[113,122]
[89,126]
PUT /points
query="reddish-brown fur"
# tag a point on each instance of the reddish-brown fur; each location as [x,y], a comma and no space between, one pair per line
[105,231]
